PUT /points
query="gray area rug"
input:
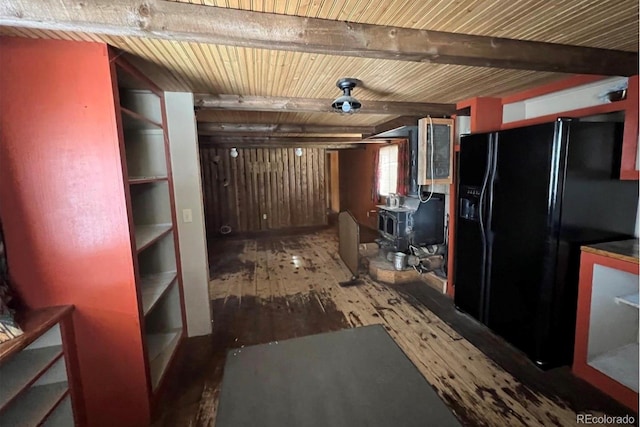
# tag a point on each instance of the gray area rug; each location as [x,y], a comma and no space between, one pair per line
[354,377]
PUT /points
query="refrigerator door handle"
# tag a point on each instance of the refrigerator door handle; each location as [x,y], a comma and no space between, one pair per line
[483,230]
[483,193]
[492,183]
[489,229]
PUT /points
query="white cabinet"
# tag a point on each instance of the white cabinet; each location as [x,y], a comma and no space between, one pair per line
[613,320]
[606,344]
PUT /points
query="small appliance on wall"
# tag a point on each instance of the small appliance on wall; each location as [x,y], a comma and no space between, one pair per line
[435,151]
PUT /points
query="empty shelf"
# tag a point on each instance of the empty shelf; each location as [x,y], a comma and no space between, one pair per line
[134,121]
[19,372]
[146,179]
[34,405]
[631,300]
[148,234]
[620,364]
[153,287]
[62,416]
[160,348]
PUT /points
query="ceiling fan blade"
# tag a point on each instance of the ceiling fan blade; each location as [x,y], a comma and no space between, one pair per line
[376,91]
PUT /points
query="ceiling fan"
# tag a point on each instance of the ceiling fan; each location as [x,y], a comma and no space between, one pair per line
[346,103]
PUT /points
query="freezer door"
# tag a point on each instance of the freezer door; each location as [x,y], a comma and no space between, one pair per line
[522,238]
[469,247]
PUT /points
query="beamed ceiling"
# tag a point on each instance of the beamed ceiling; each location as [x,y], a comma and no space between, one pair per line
[256,69]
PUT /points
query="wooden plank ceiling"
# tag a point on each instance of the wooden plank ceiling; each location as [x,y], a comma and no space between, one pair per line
[256,72]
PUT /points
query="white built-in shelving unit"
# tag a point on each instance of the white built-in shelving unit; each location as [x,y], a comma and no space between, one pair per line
[152,217]
[613,320]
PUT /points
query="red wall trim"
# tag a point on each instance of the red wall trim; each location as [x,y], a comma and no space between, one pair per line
[486,113]
[630,138]
[71,361]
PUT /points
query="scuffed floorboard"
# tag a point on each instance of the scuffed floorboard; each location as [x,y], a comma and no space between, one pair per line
[278,288]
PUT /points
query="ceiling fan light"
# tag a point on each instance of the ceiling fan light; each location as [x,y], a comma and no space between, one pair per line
[346,104]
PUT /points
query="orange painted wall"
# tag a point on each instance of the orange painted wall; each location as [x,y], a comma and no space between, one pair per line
[63,210]
[356,181]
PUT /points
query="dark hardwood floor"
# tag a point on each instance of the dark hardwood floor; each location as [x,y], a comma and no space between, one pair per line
[278,287]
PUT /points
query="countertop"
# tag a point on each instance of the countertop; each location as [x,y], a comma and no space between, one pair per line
[624,250]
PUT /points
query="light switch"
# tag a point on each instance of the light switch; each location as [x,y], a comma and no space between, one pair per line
[186,215]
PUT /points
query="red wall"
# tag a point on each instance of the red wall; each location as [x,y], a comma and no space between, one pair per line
[356,182]
[63,210]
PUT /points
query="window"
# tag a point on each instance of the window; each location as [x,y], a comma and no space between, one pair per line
[388,170]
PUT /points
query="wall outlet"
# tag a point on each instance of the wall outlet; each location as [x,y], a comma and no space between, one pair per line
[264,216]
[187,215]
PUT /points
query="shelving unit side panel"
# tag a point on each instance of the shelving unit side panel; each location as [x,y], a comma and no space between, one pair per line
[64,210]
[167,149]
[77,397]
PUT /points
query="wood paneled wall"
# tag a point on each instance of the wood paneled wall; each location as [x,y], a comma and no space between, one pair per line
[272,182]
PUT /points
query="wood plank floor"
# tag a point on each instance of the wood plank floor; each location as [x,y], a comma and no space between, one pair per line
[274,288]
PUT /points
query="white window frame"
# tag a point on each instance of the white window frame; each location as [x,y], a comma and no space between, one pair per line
[387,170]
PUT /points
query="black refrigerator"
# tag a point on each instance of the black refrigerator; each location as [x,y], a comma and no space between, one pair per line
[527,199]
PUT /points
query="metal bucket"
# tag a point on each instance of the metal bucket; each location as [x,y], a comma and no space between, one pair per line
[399,261]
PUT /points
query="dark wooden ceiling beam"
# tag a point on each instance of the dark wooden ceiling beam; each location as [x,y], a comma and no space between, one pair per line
[208,128]
[314,105]
[178,21]
[343,146]
[241,141]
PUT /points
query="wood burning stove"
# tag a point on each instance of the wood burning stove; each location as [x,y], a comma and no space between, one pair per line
[415,223]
